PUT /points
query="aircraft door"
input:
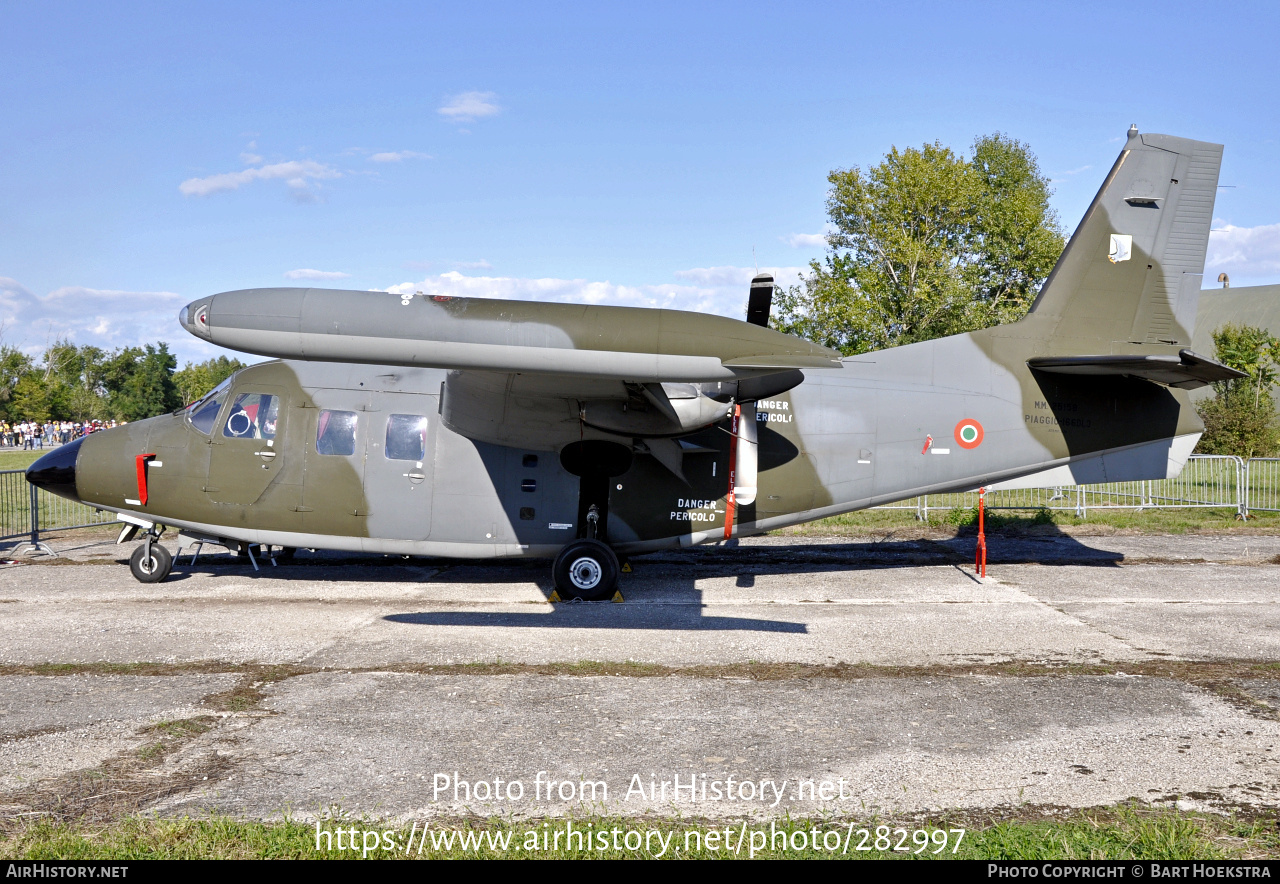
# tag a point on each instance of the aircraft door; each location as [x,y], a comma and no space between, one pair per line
[249,448]
[337,425]
[399,465]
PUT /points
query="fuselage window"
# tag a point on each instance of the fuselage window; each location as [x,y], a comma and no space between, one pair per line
[204,411]
[406,437]
[336,433]
[253,416]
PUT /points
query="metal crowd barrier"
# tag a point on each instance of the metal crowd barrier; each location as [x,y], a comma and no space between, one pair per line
[26,510]
[1263,484]
[1207,481]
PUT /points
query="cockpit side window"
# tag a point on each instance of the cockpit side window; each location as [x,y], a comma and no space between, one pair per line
[204,411]
[253,416]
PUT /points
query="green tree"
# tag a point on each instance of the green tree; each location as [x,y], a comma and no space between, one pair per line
[139,382]
[1240,419]
[74,378]
[194,380]
[14,364]
[927,244]
[31,400]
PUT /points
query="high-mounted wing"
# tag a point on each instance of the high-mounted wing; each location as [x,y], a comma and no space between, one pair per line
[535,374]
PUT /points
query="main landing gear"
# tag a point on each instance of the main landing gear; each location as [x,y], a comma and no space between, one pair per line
[586,569]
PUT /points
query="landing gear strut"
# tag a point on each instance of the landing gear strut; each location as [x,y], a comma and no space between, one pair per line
[586,569]
[151,562]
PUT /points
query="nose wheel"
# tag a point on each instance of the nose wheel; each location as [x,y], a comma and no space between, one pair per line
[151,562]
[586,569]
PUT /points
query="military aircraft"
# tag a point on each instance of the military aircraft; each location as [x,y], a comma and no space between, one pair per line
[427,425]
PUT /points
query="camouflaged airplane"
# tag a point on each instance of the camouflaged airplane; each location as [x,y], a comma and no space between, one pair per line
[427,425]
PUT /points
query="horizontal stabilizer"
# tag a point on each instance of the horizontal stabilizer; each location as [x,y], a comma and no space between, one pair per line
[1187,370]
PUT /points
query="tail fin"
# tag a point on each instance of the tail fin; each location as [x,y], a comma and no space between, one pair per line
[1131,272]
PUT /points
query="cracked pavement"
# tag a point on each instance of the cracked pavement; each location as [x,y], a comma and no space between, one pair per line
[1042,684]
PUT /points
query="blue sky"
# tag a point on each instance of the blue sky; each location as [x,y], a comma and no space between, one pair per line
[154,153]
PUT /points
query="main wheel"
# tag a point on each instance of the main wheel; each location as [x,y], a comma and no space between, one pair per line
[586,569]
[153,568]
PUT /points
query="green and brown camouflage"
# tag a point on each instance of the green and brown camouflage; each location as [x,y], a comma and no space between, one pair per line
[528,414]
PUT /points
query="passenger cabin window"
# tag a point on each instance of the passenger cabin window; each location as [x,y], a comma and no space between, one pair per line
[336,433]
[253,416]
[203,412]
[406,437]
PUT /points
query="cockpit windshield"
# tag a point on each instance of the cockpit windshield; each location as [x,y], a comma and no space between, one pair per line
[204,411]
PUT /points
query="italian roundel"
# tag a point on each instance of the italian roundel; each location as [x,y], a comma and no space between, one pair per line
[968,433]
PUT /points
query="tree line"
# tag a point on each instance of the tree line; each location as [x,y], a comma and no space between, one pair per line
[87,383]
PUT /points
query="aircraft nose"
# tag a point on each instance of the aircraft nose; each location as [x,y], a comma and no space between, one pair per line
[195,317]
[56,471]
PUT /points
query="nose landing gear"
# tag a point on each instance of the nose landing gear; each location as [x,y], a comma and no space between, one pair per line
[151,562]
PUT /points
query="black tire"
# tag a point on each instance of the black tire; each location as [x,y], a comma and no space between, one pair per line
[286,553]
[153,569]
[586,569]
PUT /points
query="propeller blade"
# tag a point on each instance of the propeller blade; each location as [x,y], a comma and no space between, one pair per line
[761,300]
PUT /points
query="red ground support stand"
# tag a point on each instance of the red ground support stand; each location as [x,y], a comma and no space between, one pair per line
[980,555]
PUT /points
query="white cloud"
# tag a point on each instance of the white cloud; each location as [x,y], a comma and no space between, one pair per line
[469,106]
[1057,176]
[482,264]
[306,273]
[395,156]
[720,290]
[250,159]
[1243,252]
[297,174]
[737,276]
[101,317]
[805,240]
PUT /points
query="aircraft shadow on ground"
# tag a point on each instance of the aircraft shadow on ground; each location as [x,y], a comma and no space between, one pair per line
[681,606]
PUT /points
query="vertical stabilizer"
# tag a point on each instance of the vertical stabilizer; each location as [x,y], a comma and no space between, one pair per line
[1131,272]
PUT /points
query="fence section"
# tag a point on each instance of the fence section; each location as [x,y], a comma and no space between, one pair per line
[26,510]
[1205,481]
[1262,486]
[15,504]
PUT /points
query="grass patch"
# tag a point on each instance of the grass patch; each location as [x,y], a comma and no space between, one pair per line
[183,728]
[253,678]
[1114,833]
[17,459]
[116,789]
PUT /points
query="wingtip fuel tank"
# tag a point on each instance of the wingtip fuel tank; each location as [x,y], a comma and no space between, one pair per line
[635,344]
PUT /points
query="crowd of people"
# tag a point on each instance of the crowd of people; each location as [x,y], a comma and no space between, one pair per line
[29,435]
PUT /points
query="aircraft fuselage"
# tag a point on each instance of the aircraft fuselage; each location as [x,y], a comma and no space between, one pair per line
[357,457]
